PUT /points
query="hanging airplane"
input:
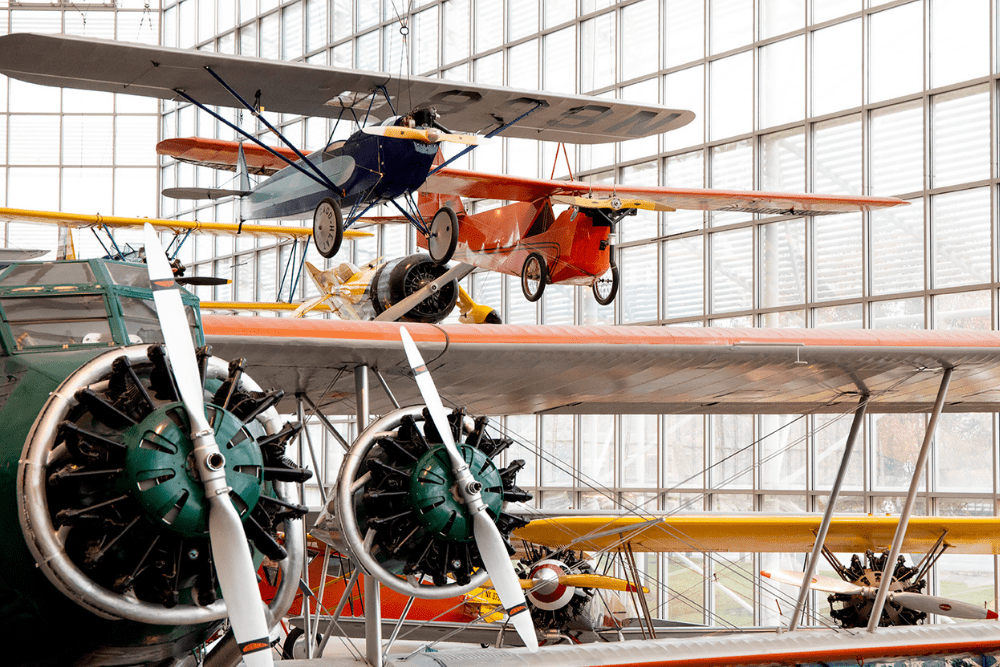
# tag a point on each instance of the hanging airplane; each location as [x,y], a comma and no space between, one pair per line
[410,289]
[377,164]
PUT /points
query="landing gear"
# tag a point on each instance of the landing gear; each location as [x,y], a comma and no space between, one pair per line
[328,228]
[443,238]
[606,287]
[534,275]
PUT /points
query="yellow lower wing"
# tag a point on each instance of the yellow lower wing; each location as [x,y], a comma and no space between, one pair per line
[78,220]
[761,534]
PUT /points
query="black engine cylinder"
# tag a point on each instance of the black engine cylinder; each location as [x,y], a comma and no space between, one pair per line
[399,278]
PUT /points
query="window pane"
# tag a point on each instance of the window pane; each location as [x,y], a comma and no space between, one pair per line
[782,82]
[557,450]
[425,42]
[959,121]
[836,67]
[837,159]
[838,256]
[732,451]
[960,223]
[597,49]
[783,161]
[960,40]
[897,149]
[291,31]
[966,310]
[684,31]
[782,452]
[88,139]
[897,49]
[684,290]
[641,23]
[732,270]
[456,30]
[783,268]
[897,255]
[685,89]
[964,444]
[901,314]
[838,317]
[731,111]
[559,62]
[731,24]
[638,284]
[684,451]
[638,447]
[522,18]
[597,450]
[896,443]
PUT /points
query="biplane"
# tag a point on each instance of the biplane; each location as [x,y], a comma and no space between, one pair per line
[324,366]
[411,288]
[379,163]
[527,239]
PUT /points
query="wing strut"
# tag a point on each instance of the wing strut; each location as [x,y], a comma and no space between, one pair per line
[255,110]
[911,497]
[859,418]
[324,181]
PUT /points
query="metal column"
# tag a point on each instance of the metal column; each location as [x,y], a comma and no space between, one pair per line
[911,496]
[373,602]
[306,615]
[800,606]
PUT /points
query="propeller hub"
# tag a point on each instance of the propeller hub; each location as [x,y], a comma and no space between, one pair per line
[440,511]
[160,476]
[547,593]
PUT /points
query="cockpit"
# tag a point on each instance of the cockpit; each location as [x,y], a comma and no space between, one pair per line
[76,304]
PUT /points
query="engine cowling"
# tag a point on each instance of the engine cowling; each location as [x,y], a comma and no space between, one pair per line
[399,278]
[396,510]
[113,513]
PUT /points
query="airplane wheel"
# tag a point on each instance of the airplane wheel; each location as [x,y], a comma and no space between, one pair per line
[534,275]
[328,228]
[443,238]
[606,287]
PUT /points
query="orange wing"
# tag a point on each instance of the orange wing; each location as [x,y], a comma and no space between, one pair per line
[221,154]
[491,186]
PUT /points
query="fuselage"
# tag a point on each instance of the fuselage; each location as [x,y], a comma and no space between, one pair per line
[365,169]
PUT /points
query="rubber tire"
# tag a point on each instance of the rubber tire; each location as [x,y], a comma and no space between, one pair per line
[606,301]
[543,277]
[446,218]
[339,234]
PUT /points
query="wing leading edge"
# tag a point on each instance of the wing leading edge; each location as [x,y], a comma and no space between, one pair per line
[512,369]
[314,90]
[761,533]
[490,186]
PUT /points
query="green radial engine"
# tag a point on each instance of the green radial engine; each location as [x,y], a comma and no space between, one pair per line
[421,524]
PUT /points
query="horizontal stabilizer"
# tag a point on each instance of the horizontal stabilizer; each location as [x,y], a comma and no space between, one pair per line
[202,193]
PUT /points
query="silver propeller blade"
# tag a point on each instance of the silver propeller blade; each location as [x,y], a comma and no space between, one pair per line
[488,538]
[932,604]
[229,543]
[819,583]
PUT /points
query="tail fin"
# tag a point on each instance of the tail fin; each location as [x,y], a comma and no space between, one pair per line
[428,204]
[242,173]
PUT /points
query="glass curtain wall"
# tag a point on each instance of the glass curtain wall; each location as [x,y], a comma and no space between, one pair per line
[73,150]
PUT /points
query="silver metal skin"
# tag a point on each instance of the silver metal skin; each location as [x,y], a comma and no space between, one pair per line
[348,521]
[233,563]
[45,542]
[491,544]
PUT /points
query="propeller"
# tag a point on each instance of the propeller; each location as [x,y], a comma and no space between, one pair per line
[230,551]
[430,135]
[613,203]
[931,604]
[491,545]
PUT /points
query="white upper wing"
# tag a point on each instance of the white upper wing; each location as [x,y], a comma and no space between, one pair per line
[315,90]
